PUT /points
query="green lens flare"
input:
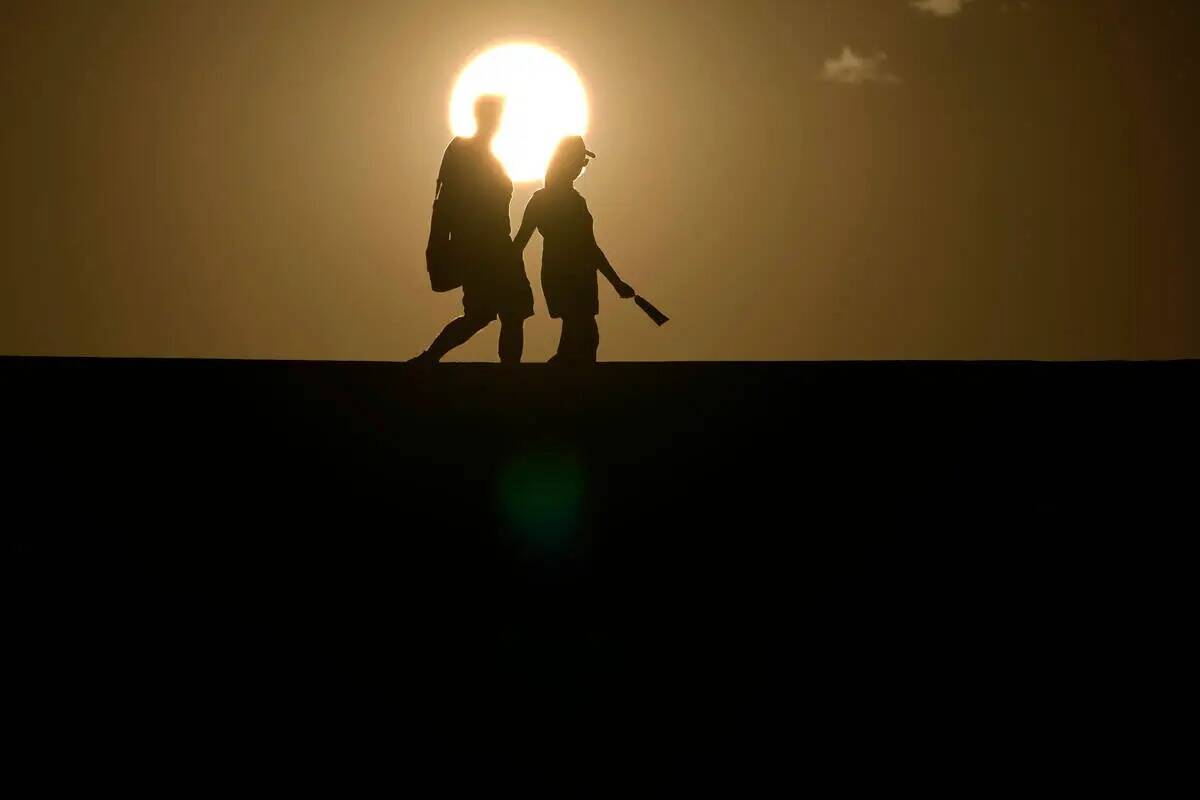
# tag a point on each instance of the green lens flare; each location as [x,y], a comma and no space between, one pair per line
[540,496]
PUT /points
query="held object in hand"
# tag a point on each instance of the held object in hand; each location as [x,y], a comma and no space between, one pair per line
[653,313]
[444,265]
[442,256]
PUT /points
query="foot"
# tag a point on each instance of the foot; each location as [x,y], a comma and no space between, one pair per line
[426,359]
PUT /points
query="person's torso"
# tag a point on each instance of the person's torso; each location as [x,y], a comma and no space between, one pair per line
[478,189]
[566,227]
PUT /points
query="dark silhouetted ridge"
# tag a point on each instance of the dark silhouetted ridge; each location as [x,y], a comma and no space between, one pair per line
[668,521]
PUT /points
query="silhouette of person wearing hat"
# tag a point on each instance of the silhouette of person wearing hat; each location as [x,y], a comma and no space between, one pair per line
[469,242]
[570,256]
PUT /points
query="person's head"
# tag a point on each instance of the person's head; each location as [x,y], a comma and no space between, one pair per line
[489,110]
[568,161]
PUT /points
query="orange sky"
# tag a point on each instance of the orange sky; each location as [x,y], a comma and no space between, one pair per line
[787,180]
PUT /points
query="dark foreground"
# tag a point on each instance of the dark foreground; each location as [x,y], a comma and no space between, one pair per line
[853,538]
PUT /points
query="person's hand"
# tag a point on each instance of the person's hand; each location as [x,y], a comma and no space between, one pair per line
[624,290]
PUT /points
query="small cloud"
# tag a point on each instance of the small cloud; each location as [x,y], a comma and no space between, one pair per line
[853,69]
[940,8]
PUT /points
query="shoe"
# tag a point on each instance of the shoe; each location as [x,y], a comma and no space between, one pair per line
[425,359]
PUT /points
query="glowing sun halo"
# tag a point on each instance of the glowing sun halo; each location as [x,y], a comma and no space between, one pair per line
[545,101]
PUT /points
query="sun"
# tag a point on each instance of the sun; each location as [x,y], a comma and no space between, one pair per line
[545,101]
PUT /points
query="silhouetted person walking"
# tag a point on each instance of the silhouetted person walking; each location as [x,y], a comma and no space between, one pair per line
[469,242]
[570,255]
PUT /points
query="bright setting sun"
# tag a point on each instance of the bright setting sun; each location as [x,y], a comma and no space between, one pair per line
[545,100]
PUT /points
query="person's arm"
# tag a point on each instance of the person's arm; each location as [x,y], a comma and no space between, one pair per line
[606,269]
[529,223]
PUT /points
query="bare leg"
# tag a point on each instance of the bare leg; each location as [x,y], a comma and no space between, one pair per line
[456,333]
[512,338]
[591,342]
[565,338]
[579,340]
